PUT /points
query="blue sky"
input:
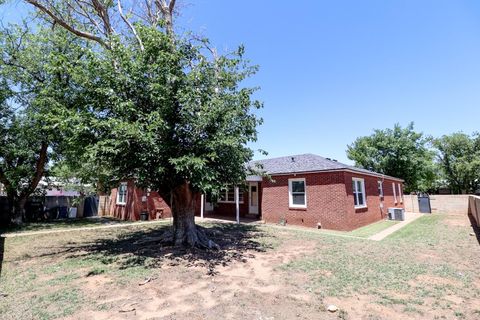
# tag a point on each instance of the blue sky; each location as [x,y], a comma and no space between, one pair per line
[331,71]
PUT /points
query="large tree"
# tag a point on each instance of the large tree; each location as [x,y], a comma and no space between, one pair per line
[399,152]
[163,109]
[459,157]
[33,96]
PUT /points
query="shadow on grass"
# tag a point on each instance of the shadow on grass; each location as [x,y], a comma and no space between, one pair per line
[475,228]
[61,224]
[237,243]
[2,250]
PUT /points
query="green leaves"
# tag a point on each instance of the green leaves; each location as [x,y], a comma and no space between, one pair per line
[404,153]
[399,152]
[459,158]
[165,115]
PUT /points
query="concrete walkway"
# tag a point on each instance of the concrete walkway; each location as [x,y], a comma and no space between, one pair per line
[409,217]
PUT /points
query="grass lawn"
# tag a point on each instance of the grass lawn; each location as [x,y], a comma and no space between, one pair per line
[373,228]
[427,270]
[63,224]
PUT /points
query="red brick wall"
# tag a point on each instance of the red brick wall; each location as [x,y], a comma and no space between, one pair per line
[325,200]
[374,212]
[329,201]
[134,205]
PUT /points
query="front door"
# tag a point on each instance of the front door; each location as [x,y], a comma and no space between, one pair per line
[253,198]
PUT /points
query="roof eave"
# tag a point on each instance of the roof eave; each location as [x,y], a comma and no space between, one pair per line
[373,174]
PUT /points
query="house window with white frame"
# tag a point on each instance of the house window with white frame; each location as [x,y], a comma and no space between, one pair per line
[394,192]
[228,196]
[122,193]
[297,193]
[400,194]
[359,197]
[380,189]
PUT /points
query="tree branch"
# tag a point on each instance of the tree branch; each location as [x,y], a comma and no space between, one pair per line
[4,180]
[134,31]
[67,26]
[39,170]
[167,12]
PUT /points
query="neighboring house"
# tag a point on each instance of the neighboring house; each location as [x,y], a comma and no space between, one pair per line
[127,203]
[306,190]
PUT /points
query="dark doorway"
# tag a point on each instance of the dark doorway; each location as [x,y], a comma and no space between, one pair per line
[90,207]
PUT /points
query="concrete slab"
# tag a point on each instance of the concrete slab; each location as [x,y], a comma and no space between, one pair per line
[409,217]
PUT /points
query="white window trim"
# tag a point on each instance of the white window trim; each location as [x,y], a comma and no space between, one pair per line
[394,193]
[364,205]
[290,196]
[122,203]
[380,185]
[400,194]
[240,192]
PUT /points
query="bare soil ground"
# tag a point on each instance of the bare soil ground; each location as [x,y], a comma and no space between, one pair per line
[428,270]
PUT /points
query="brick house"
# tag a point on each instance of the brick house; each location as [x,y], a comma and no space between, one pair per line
[309,190]
[126,202]
[306,190]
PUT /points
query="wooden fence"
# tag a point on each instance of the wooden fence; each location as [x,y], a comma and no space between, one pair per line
[474,208]
[451,203]
[104,206]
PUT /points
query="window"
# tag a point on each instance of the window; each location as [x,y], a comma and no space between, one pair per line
[400,195]
[228,196]
[359,198]
[122,193]
[394,192]
[297,195]
[380,189]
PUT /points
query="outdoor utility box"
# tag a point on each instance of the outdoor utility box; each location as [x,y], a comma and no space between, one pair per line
[144,216]
[396,214]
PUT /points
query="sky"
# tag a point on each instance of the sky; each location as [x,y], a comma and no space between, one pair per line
[331,71]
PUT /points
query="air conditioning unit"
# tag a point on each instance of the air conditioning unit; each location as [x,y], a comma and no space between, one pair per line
[396,214]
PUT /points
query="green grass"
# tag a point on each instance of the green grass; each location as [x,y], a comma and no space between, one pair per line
[364,232]
[411,271]
[63,224]
[345,266]
[372,229]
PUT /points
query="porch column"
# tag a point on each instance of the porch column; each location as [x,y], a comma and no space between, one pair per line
[237,204]
[202,207]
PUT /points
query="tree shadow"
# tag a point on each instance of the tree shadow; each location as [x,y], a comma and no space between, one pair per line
[2,250]
[475,228]
[141,248]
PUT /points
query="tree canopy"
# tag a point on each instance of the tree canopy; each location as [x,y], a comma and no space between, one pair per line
[399,152]
[133,99]
[459,158]
[33,96]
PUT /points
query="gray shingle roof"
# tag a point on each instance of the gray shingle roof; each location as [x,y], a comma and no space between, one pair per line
[304,163]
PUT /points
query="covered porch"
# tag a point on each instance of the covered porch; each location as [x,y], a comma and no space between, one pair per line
[238,203]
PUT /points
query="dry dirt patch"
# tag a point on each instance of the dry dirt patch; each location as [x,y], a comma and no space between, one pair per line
[249,288]
[260,273]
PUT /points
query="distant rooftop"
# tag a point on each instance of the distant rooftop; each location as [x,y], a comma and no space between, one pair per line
[305,163]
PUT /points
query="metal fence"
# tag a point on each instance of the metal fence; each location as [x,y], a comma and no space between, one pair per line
[52,207]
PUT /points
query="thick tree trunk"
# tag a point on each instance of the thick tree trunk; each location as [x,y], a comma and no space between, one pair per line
[185,232]
[18,210]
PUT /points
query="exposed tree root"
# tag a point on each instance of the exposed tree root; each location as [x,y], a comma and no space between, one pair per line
[193,237]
